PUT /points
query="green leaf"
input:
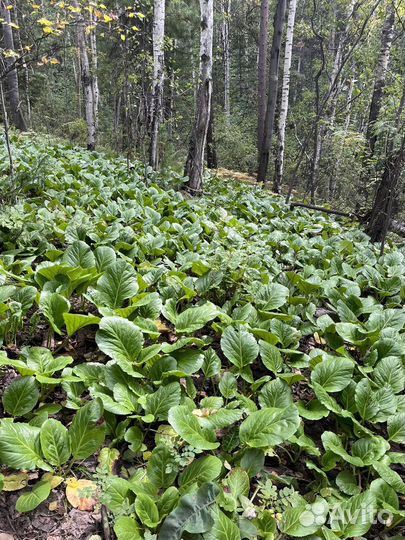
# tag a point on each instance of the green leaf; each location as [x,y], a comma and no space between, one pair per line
[304,520]
[354,517]
[201,470]
[271,356]
[396,428]
[55,442]
[193,514]
[162,468]
[276,394]
[211,364]
[194,319]
[20,446]
[126,528]
[79,254]
[21,396]
[115,493]
[269,427]
[239,346]
[392,478]
[117,284]
[223,527]
[228,385]
[104,258]
[333,373]
[29,501]
[186,425]
[160,402]
[146,510]
[75,322]
[85,435]
[390,371]
[365,400]
[120,339]
[272,296]
[347,482]
[53,306]
[333,443]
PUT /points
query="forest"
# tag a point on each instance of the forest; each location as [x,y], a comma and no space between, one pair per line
[202,270]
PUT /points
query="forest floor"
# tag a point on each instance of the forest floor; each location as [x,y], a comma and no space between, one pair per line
[159,350]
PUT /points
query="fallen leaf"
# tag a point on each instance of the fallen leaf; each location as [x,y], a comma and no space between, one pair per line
[53,506]
[82,494]
[14,482]
[55,481]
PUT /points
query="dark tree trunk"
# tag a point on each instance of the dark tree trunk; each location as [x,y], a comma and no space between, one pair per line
[16,114]
[212,158]
[265,146]
[386,196]
[380,77]
[262,70]
[195,160]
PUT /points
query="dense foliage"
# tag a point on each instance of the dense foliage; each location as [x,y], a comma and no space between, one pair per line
[235,368]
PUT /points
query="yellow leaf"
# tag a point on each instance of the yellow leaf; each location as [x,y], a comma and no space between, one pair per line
[55,481]
[54,61]
[123,38]
[135,28]
[14,482]
[82,494]
[13,25]
[47,30]
[44,22]
[107,18]
[53,506]
[10,7]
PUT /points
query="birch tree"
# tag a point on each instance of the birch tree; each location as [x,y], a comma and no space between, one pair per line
[387,35]
[87,47]
[225,37]
[16,114]
[262,70]
[285,93]
[158,79]
[195,159]
[265,146]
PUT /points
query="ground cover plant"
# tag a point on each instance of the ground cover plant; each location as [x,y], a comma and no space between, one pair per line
[217,368]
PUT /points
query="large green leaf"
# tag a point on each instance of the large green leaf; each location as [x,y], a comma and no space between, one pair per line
[193,514]
[79,254]
[272,296]
[21,396]
[396,428]
[239,346]
[75,322]
[55,443]
[117,284]
[194,319]
[186,425]
[85,435]
[20,446]
[162,468]
[201,470]
[29,501]
[120,339]
[223,527]
[333,373]
[54,306]
[354,517]
[126,528]
[269,427]
[147,510]
[160,402]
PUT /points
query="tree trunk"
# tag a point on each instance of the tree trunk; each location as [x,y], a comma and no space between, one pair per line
[158,79]
[195,159]
[387,192]
[282,122]
[226,11]
[262,70]
[380,76]
[16,114]
[212,158]
[265,146]
[88,66]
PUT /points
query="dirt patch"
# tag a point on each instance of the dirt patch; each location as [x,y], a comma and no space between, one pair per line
[64,523]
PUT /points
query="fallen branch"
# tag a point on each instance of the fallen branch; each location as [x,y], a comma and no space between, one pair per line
[395,226]
[325,210]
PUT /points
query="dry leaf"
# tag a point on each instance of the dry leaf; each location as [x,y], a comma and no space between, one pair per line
[53,506]
[82,494]
[14,482]
[55,481]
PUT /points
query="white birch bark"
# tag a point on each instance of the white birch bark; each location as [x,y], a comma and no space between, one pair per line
[195,160]
[158,79]
[285,93]
[225,31]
